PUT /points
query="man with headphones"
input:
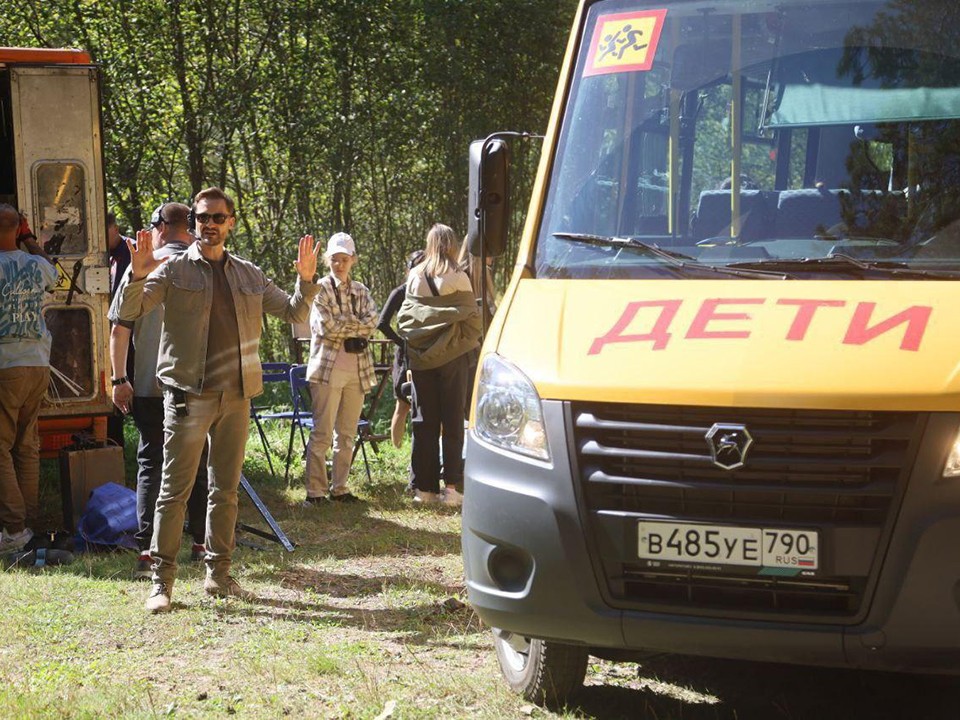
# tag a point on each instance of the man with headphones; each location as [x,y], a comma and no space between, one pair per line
[209,366]
[142,397]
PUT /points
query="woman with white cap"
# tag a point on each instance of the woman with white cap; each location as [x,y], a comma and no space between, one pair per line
[340,370]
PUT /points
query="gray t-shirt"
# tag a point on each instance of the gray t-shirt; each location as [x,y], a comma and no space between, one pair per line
[146,332]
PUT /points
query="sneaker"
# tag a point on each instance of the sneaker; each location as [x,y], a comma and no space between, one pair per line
[144,567]
[198,552]
[347,497]
[225,586]
[11,542]
[426,498]
[159,599]
[452,498]
[315,501]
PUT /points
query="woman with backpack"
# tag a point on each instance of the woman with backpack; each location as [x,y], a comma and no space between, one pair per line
[440,322]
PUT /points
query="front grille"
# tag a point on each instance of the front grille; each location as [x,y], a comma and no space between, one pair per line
[838,472]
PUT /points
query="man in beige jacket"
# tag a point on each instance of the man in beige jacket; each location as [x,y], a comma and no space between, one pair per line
[209,367]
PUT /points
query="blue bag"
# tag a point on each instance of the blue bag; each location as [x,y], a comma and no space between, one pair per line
[110,518]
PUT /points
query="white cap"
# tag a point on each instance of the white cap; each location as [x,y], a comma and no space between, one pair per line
[340,243]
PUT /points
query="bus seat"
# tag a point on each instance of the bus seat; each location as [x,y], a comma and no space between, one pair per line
[808,212]
[813,211]
[713,215]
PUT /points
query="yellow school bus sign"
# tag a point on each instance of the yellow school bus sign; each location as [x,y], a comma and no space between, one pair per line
[624,42]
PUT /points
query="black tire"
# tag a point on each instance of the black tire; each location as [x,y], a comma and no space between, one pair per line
[546,673]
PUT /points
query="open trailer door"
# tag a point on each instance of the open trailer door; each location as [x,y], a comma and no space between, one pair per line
[55,117]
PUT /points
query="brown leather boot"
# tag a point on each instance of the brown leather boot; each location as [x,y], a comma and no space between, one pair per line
[225,586]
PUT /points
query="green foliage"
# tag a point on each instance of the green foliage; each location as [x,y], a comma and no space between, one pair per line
[318,115]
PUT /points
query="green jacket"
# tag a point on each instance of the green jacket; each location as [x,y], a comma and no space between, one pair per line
[183,285]
[439,329]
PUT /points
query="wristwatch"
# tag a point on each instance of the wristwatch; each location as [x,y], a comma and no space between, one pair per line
[119,381]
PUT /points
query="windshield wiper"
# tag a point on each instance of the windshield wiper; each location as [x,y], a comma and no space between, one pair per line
[678,260]
[839,262]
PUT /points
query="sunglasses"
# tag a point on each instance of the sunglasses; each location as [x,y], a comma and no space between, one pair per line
[216,218]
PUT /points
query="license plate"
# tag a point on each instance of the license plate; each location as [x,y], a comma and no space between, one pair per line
[727,545]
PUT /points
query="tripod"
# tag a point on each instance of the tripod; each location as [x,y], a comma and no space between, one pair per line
[276,533]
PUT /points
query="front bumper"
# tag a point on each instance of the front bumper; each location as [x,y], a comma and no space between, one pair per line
[531,568]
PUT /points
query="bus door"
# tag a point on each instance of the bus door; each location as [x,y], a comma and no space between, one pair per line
[55,118]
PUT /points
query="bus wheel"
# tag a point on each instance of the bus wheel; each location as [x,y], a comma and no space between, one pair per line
[543,672]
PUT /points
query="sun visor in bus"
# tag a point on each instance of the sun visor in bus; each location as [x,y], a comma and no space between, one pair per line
[816,104]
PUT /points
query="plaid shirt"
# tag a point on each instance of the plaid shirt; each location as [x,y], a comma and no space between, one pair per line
[332,322]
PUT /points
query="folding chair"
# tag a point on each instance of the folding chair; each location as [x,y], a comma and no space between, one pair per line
[272,373]
[302,417]
[299,340]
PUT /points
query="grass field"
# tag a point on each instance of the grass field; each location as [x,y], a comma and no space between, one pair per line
[364,620]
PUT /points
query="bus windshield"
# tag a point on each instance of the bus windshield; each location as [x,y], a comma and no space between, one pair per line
[787,138]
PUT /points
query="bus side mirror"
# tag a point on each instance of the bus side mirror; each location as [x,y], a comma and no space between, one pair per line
[488,209]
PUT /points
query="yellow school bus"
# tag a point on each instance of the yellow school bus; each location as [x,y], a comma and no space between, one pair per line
[51,168]
[717,412]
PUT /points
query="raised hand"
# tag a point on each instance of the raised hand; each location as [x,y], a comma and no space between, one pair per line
[142,260]
[307,258]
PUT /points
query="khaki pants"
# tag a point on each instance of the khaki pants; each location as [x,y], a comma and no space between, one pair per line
[21,392]
[225,418]
[336,411]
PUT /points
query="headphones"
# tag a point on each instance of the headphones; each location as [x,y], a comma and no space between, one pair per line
[160,216]
[159,213]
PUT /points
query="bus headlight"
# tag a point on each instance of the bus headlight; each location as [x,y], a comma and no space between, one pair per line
[952,468]
[508,413]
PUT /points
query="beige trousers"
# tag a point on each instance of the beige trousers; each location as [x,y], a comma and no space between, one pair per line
[225,418]
[336,411]
[21,392]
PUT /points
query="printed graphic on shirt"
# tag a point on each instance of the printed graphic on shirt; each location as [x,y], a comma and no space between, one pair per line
[21,296]
[625,42]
